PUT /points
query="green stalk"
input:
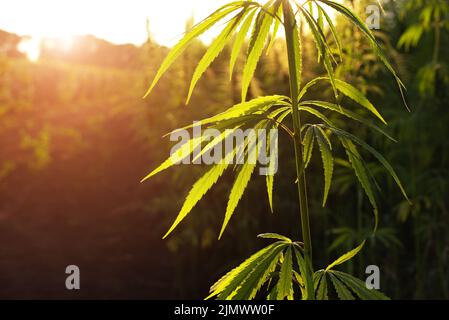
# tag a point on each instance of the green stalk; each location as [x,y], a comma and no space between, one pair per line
[295,82]
[436,51]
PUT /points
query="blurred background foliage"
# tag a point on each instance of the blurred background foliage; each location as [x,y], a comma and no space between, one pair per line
[76,138]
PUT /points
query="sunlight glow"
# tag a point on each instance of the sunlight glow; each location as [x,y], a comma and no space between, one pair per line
[117,21]
[31,48]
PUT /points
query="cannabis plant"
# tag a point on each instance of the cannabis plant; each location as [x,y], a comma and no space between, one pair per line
[284,269]
[433,17]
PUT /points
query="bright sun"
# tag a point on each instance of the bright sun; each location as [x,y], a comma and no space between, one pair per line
[118,21]
[30,47]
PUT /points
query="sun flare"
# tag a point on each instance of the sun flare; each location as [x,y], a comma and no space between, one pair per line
[30,46]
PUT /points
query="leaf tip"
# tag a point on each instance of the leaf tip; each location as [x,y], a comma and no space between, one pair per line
[168,232]
[149,90]
[146,178]
[146,94]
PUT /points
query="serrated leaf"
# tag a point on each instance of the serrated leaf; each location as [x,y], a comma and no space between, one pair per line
[229,281]
[332,28]
[257,43]
[322,288]
[239,113]
[277,23]
[183,152]
[283,115]
[355,95]
[269,178]
[233,122]
[316,278]
[306,273]
[274,236]
[239,39]
[236,283]
[273,293]
[238,188]
[278,113]
[342,291]
[254,281]
[243,177]
[308,85]
[320,19]
[198,30]
[347,256]
[376,154]
[317,114]
[328,160]
[309,139]
[285,284]
[215,141]
[359,287]
[199,189]
[356,162]
[347,113]
[214,50]
[255,105]
[300,282]
[349,91]
[324,51]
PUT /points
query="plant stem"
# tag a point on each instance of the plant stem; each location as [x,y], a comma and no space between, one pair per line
[290,25]
[436,52]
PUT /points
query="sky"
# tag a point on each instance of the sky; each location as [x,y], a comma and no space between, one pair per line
[118,21]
